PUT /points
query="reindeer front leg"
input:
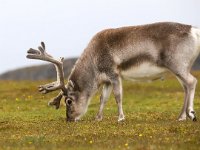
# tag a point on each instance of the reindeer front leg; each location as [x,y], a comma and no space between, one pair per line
[117,90]
[107,88]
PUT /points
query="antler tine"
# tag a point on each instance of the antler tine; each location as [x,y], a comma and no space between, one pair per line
[43,45]
[40,54]
[58,63]
[42,48]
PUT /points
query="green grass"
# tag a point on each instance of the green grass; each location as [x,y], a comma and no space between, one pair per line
[151,110]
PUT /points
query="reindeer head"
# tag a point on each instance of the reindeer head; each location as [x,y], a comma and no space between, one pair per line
[76,101]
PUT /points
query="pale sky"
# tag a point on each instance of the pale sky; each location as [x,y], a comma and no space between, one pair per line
[66,26]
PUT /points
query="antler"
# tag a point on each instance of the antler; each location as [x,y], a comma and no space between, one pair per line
[41,54]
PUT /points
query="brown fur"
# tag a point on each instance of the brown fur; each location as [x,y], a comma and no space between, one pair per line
[110,42]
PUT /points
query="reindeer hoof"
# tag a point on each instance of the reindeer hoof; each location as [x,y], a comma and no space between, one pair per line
[121,118]
[194,119]
[98,118]
[182,119]
[192,115]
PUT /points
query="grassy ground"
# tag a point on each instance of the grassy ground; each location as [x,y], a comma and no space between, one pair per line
[151,109]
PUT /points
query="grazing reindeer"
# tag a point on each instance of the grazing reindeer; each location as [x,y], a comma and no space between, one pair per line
[137,53]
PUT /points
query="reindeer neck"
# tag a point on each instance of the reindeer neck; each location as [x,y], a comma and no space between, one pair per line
[83,74]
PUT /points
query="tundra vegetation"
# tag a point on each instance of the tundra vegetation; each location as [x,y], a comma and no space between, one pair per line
[151,109]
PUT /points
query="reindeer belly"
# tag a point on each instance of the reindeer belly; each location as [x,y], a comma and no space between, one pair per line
[143,72]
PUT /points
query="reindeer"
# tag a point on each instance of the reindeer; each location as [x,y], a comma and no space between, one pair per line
[138,53]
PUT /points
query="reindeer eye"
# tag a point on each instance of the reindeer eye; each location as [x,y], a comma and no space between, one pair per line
[69,102]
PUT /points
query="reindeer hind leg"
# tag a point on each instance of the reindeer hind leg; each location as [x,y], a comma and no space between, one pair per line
[189,84]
